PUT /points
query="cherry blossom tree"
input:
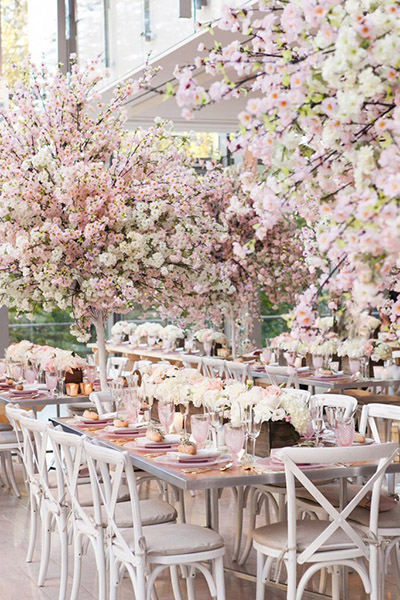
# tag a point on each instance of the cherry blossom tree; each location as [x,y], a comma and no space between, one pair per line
[321,78]
[94,219]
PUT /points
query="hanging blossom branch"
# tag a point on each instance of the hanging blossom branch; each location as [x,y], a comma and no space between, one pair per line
[322,114]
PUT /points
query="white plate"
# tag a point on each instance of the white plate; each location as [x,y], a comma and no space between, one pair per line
[200,454]
[172,438]
[114,429]
[167,460]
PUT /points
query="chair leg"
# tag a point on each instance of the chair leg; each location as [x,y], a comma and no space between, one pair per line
[114,578]
[175,582]
[260,587]
[252,524]
[64,560]
[101,567]
[34,510]
[335,583]
[46,545]
[219,577]
[76,582]
[4,474]
[11,475]
[239,523]
[190,583]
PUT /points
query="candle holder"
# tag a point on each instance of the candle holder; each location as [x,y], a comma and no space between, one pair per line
[86,388]
[72,389]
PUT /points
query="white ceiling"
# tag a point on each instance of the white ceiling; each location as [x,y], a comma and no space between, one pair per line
[142,110]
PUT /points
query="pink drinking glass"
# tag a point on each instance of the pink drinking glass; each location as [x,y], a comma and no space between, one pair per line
[91,373]
[16,371]
[131,404]
[344,432]
[3,366]
[200,428]
[234,438]
[30,374]
[51,381]
[166,414]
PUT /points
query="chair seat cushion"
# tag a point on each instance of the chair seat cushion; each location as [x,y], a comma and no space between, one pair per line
[85,494]
[5,427]
[8,437]
[331,493]
[387,519]
[152,512]
[276,536]
[365,397]
[170,539]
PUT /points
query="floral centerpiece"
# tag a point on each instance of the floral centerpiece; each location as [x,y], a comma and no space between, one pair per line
[171,334]
[149,330]
[120,329]
[324,346]
[356,348]
[45,357]
[210,335]
[19,352]
[381,351]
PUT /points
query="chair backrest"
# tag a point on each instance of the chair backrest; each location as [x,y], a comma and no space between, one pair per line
[35,457]
[292,457]
[192,361]
[102,401]
[115,469]
[337,401]
[301,394]
[115,366]
[13,414]
[289,372]
[69,460]
[213,367]
[145,367]
[373,412]
[238,371]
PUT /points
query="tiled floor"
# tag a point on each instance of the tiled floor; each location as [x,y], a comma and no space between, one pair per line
[18,579]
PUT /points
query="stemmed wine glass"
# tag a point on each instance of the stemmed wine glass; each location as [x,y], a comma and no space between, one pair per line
[318,425]
[253,431]
[216,422]
[130,401]
[184,410]
[166,414]
[30,373]
[234,437]
[116,387]
[200,428]
[51,381]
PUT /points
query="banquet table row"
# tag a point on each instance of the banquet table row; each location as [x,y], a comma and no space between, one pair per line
[338,383]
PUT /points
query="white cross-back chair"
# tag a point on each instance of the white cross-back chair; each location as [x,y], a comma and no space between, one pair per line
[273,374]
[102,401]
[192,361]
[373,416]
[238,371]
[116,366]
[144,552]
[333,542]
[213,367]
[89,524]
[271,497]
[47,497]
[348,403]
[10,443]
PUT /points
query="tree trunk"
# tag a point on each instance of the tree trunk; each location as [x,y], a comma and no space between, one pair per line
[233,334]
[98,322]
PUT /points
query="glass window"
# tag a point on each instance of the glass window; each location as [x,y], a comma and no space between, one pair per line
[90,30]
[42,31]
